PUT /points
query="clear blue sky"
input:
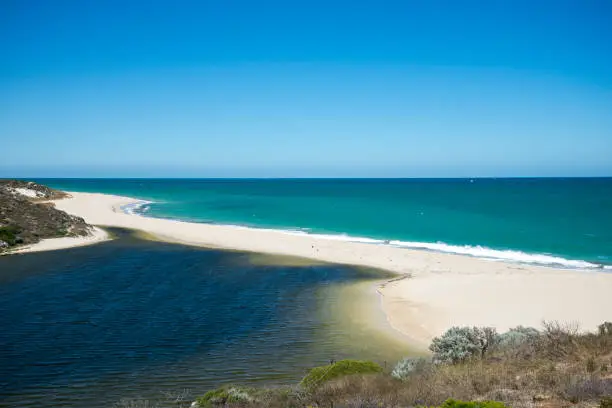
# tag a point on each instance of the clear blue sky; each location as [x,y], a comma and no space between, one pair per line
[305,88]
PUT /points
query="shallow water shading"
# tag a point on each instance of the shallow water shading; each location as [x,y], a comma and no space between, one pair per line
[132,318]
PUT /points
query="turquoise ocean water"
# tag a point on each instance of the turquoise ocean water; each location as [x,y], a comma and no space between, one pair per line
[563,222]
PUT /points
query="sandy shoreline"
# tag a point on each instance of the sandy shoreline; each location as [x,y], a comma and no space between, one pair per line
[52,244]
[443,289]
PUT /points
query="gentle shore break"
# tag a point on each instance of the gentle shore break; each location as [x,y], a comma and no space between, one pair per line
[443,290]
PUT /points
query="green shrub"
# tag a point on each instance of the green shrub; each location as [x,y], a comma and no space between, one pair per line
[224,395]
[9,233]
[606,402]
[451,403]
[458,344]
[319,375]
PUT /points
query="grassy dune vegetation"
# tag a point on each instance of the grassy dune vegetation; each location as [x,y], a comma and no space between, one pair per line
[469,368]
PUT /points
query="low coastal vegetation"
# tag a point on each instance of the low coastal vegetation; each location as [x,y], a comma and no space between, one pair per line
[9,236]
[323,374]
[469,367]
[26,217]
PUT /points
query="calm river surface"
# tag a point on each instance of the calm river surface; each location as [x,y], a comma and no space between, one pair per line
[132,318]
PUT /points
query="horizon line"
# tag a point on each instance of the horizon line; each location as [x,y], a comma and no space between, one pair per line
[309,178]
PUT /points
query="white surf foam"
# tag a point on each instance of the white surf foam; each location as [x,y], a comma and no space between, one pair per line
[500,255]
[468,250]
[136,207]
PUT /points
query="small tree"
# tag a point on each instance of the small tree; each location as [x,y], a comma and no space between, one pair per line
[559,339]
[458,344]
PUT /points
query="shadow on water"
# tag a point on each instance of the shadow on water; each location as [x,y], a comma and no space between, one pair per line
[132,318]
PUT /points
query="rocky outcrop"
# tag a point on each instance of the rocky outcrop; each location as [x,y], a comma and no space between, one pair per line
[26,216]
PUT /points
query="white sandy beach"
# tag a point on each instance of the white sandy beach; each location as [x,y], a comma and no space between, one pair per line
[443,289]
[51,244]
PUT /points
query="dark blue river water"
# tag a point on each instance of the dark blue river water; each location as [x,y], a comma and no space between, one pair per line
[132,318]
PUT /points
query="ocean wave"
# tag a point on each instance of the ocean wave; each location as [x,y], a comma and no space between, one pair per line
[468,250]
[137,207]
[501,255]
[476,251]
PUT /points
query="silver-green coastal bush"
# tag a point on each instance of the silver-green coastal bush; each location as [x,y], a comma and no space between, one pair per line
[409,366]
[517,336]
[458,344]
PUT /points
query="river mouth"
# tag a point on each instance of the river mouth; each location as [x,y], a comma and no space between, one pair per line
[132,318]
